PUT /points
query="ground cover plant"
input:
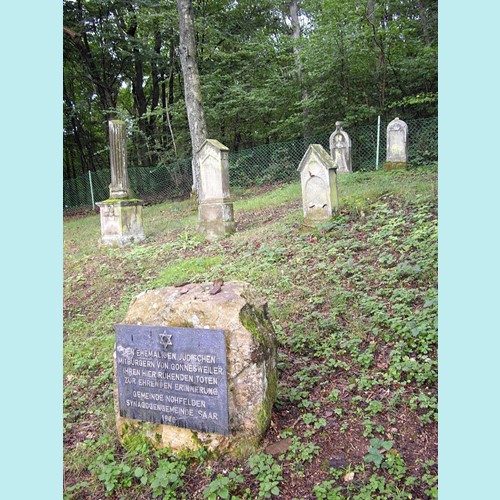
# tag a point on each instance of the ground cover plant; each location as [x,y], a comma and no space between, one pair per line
[354,305]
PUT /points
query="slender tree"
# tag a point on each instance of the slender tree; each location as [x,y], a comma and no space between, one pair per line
[296,35]
[192,87]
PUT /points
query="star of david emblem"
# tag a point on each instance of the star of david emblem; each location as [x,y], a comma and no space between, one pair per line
[165,340]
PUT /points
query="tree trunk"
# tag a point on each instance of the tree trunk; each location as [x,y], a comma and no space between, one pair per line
[106,90]
[192,87]
[294,19]
[378,52]
[424,22]
[167,115]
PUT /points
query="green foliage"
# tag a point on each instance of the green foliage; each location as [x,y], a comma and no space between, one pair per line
[327,491]
[187,271]
[356,323]
[223,486]
[376,449]
[268,474]
[300,453]
[167,478]
[313,421]
[430,479]
[113,474]
[259,84]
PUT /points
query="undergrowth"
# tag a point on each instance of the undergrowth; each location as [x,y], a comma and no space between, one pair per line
[354,306]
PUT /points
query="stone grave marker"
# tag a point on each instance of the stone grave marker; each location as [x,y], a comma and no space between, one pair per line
[196,368]
[319,185]
[340,149]
[397,145]
[121,214]
[120,183]
[215,212]
[174,376]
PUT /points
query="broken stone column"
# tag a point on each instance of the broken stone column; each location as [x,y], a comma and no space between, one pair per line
[120,184]
[242,314]
[340,149]
[397,145]
[319,185]
[215,211]
[121,214]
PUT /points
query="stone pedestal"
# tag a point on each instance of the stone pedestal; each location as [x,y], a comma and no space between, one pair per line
[319,185]
[216,219]
[215,212]
[393,165]
[121,214]
[241,313]
[121,222]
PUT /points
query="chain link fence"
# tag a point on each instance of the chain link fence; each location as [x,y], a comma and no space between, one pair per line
[263,165]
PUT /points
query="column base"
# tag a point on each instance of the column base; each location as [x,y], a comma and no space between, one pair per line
[395,165]
[216,220]
[121,222]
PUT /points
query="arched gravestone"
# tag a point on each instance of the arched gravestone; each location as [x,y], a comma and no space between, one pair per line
[397,145]
[316,195]
[340,149]
[319,185]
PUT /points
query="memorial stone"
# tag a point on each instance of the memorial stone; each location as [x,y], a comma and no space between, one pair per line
[340,149]
[397,145]
[319,185]
[195,369]
[121,214]
[175,376]
[215,212]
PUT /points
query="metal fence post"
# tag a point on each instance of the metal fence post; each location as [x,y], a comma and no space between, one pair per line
[378,143]
[262,165]
[91,190]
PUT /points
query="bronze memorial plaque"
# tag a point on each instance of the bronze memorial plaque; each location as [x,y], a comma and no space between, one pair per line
[173,376]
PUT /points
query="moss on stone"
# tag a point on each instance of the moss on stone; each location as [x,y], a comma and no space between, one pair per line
[391,165]
[264,413]
[244,447]
[258,324]
[196,440]
[118,200]
[133,434]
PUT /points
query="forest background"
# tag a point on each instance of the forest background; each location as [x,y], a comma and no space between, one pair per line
[270,71]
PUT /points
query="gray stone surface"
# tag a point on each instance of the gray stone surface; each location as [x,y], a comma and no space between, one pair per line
[340,149]
[171,375]
[215,212]
[121,214]
[397,141]
[241,313]
[319,185]
[120,183]
[121,222]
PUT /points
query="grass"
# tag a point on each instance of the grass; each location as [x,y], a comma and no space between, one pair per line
[354,305]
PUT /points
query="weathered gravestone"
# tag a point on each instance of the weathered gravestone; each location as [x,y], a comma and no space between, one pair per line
[319,185]
[196,369]
[340,149]
[397,145]
[121,214]
[215,212]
